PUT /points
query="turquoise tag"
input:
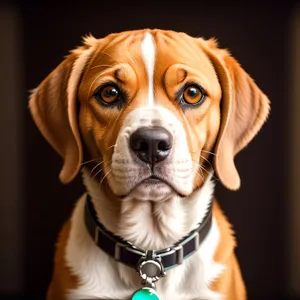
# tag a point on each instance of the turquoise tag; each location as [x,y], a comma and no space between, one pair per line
[145,293]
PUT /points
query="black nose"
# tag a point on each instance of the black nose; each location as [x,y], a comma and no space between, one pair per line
[151,144]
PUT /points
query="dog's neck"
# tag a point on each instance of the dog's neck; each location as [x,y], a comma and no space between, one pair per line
[149,224]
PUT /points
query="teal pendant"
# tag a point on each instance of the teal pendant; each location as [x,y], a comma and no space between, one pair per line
[145,293]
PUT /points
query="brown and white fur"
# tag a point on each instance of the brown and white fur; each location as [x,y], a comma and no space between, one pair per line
[151,66]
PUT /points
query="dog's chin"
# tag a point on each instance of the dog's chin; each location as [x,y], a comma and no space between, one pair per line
[151,190]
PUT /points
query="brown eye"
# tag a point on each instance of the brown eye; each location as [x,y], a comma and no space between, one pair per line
[193,94]
[108,94]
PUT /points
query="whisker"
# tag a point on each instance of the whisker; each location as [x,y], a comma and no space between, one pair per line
[199,168]
[204,169]
[102,169]
[111,146]
[103,161]
[95,167]
[96,159]
[89,161]
[205,152]
[201,175]
[105,176]
[98,172]
[209,152]
[201,156]
[207,161]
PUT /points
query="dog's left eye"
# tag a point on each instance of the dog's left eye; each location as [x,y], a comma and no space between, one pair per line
[193,94]
[108,94]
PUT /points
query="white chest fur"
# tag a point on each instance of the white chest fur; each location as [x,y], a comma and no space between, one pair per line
[103,278]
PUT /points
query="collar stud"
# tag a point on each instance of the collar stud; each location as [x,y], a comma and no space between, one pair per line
[150,267]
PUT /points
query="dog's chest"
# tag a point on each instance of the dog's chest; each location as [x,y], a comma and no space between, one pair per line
[102,278]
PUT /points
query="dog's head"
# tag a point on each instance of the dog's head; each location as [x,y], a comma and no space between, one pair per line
[154,109]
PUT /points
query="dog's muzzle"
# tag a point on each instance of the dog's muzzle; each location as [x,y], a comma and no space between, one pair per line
[151,144]
[151,158]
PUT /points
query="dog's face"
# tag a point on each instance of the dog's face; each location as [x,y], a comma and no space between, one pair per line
[154,109]
[148,112]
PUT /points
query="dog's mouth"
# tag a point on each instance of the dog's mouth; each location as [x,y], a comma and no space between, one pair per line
[154,182]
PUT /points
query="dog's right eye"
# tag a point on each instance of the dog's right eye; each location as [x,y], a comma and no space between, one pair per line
[108,94]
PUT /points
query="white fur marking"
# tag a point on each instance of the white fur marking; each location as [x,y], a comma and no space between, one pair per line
[148,53]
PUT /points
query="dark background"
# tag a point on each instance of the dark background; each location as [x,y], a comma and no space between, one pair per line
[256,35]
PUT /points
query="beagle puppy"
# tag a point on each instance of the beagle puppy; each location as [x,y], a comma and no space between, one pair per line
[151,118]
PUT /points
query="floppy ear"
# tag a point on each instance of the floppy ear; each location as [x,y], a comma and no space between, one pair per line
[53,108]
[244,109]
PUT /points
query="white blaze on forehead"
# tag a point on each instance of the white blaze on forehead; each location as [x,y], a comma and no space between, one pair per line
[148,53]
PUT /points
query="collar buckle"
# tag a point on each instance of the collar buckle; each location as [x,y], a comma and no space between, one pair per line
[150,267]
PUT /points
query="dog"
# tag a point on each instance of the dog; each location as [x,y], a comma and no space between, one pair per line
[151,118]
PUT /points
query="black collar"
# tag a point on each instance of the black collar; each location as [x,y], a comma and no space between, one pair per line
[130,255]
